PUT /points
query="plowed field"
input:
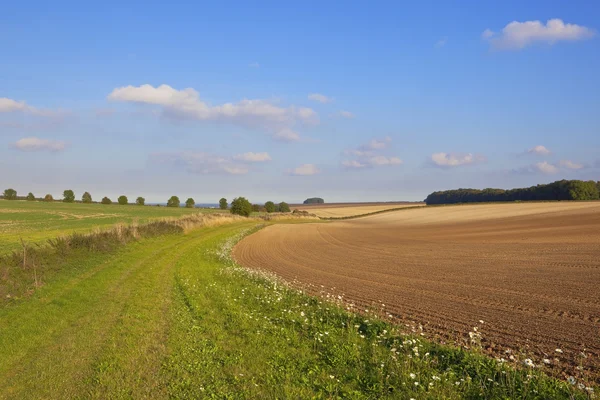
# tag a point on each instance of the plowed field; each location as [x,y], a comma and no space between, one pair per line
[530,271]
[341,210]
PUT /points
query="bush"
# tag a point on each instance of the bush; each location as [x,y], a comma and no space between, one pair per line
[284,207]
[173,202]
[314,200]
[190,203]
[255,208]
[86,198]
[48,198]
[122,200]
[270,206]
[68,196]
[30,197]
[223,203]
[241,206]
[106,200]
[140,201]
[10,194]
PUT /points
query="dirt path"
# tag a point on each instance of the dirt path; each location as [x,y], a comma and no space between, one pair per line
[531,272]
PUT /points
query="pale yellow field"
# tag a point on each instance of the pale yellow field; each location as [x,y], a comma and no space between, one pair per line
[351,209]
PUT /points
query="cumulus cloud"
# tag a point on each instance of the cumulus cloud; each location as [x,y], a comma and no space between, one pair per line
[304,170]
[570,164]
[37,144]
[450,160]
[252,157]
[9,105]
[206,163]
[367,155]
[539,150]
[278,121]
[518,35]
[319,98]
[545,168]
[346,114]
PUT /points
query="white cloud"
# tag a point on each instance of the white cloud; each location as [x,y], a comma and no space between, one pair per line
[320,98]
[9,105]
[353,164]
[455,159]
[367,155]
[570,164]
[383,160]
[252,157]
[518,35]
[278,121]
[377,144]
[545,168]
[539,150]
[37,144]
[254,65]
[304,170]
[346,114]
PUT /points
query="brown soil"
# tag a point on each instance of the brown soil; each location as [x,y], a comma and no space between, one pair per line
[531,272]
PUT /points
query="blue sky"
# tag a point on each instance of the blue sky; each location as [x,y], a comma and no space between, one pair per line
[343,100]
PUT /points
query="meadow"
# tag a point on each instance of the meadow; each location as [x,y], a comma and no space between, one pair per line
[173,315]
[35,222]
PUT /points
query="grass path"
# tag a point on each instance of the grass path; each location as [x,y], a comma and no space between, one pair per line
[171,317]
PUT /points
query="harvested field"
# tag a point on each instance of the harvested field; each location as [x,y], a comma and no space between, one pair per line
[530,271]
[340,210]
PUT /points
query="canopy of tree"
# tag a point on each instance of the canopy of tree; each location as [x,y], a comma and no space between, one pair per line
[30,197]
[284,207]
[140,201]
[223,203]
[68,196]
[173,202]
[559,190]
[10,194]
[314,200]
[122,200]
[241,206]
[86,198]
[48,197]
[106,200]
[270,206]
[190,203]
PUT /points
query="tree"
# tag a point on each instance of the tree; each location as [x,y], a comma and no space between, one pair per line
[314,200]
[223,203]
[140,201]
[10,194]
[122,200]
[173,202]
[190,203]
[106,200]
[68,196]
[284,207]
[86,198]
[241,206]
[30,197]
[270,206]
[255,208]
[48,198]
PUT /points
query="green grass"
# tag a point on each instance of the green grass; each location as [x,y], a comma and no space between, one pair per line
[35,221]
[174,317]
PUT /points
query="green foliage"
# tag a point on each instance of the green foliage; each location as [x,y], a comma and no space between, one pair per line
[255,208]
[241,206]
[559,190]
[68,196]
[223,203]
[106,200]
[173,202]
[190,203]
[30,197]
[86,198]
[314,200]
[10,194]
[284,207]
[122,200]
[140,201]
[48,198]
[270,207]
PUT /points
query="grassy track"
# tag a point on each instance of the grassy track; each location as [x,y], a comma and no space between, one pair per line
[172,317]
[38,221]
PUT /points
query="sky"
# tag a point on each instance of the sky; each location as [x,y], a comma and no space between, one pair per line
[348,101]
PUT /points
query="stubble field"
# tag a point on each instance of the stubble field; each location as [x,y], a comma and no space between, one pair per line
[343,210]
[530,272]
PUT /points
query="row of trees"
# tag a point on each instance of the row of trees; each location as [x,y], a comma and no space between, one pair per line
[559,190]
[69,197]
[241,206]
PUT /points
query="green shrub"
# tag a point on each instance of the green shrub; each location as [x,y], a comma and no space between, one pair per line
[241,206]
[190,203]
[223,203]
[106,200]
[86,198]
[122,200]
[30,197]
[173,202]
[270,206]
[10,194]
[284,207]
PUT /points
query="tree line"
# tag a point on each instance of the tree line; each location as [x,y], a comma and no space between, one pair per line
[559,190]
